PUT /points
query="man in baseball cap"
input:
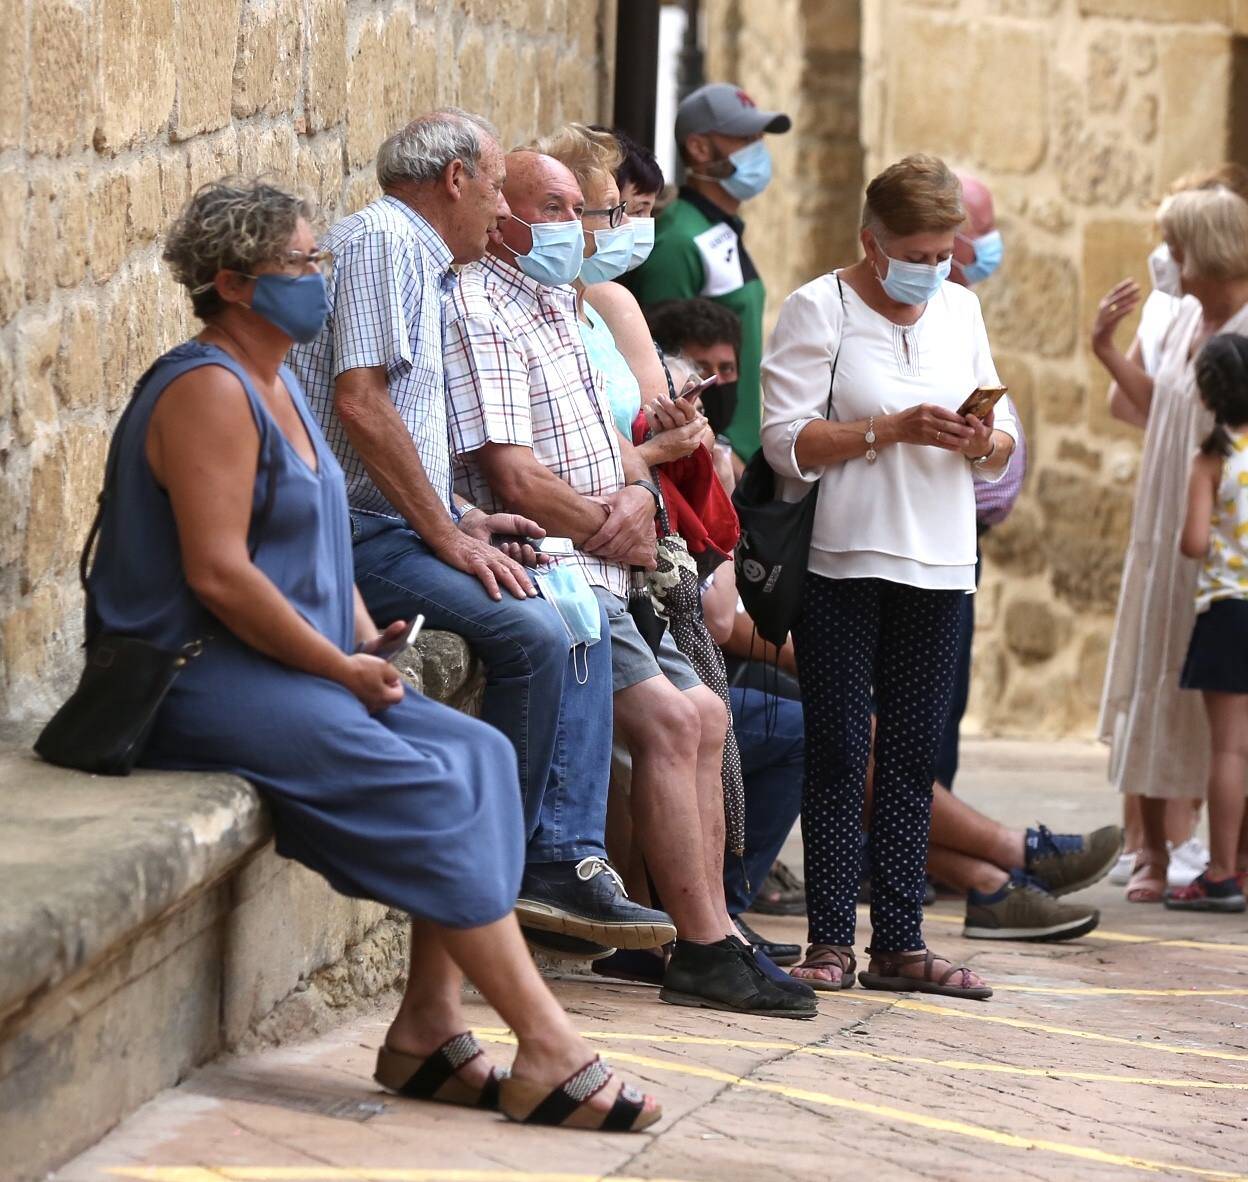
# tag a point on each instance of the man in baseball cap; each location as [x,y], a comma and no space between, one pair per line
[698,249]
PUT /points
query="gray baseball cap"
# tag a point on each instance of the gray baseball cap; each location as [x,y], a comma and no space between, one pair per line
[726,109]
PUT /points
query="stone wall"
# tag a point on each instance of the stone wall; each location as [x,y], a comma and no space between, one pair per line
[111,113]
[1078,114]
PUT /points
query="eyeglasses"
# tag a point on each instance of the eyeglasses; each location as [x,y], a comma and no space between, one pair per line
[614,215]
[322,260]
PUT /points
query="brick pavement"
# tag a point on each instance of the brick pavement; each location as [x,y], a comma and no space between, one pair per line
[1121,1055]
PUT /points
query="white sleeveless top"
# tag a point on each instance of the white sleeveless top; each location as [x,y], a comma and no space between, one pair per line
[1224,573]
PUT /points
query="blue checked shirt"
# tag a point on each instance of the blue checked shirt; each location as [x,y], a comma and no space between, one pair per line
[391,273]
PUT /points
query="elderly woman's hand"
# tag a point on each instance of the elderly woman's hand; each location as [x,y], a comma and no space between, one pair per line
[675,443]
[980,442]
[1116,305]
[664,414]
[929,425]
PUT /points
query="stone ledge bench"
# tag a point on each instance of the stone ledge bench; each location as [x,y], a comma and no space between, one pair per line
[146,925]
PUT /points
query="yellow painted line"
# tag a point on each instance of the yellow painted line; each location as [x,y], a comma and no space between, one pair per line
[1022,1024]
[933,1123]
[354,1174]
[1119,937]
[500,1034]
[1098,990]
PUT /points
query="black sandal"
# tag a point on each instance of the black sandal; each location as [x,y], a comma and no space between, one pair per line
[434,1077]
[890,977]
[566,1105]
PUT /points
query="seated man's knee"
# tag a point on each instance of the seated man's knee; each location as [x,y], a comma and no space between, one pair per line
[712,714]
[654,718]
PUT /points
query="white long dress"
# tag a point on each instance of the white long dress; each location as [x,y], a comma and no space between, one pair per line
[1157,734]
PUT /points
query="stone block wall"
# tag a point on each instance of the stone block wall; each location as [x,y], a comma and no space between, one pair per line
[111,113]
[1078,114]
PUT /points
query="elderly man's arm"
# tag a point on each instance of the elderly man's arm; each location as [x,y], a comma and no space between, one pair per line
[384,445]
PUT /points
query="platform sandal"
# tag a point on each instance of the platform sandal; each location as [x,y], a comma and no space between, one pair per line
[434,1077]
[890,978]
[567,1105]
[1147,883]
[828,956]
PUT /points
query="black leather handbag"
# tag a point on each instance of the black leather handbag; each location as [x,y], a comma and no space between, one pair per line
[774,550]
[104,724]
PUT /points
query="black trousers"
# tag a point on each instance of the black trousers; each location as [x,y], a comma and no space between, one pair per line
[860,640]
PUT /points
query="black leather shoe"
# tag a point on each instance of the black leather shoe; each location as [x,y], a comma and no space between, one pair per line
[587,900]
[725,976]
[777,953]
[564,947]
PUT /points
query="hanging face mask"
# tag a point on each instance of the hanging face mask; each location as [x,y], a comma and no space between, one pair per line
[565,588]
[989,249]
[1166,274]
[913,283]
[752,171]
[612,251]
[557,252]
[719,404]
[643,241]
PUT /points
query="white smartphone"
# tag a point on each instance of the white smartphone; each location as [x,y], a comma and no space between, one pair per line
[396,648]
[556,547]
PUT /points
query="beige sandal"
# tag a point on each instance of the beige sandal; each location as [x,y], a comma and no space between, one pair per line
[1147,883]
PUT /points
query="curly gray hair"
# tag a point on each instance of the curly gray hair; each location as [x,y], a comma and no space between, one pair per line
[422,150]
[233,224]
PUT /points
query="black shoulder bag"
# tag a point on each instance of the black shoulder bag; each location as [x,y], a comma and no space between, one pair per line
[774,550]
[105,723]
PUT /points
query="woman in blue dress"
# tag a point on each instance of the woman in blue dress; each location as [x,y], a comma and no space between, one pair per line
[228,523]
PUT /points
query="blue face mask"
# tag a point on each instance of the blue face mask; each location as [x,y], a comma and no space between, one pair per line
[613,249]
[298,305]
[913,283]
[989,249]
[643,241]
[752,171]
[566,589]
[557,252]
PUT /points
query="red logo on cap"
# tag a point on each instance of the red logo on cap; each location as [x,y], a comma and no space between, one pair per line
[745,99]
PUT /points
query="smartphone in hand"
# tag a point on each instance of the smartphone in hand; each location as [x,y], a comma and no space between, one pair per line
[555,547]
[694,389]
[396,648]
[981,401]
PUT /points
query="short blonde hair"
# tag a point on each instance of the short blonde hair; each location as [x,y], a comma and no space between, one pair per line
[591,156]
[1210,228]
[917,195]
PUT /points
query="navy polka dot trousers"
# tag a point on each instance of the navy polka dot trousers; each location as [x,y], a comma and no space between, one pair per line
[859,642]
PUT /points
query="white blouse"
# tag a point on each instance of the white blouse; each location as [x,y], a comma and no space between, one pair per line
[910,516]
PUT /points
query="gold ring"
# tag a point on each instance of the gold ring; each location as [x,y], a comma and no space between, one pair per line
[939,436]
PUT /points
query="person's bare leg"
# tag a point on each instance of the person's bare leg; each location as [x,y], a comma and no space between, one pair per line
[1182,817]
[1133,827]
[1228,728]
[496,961]
[958,826]
[1152,823]
[712,722]
[963,872]
[662,732]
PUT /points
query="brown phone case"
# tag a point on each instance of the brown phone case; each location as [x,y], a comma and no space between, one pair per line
[982,401]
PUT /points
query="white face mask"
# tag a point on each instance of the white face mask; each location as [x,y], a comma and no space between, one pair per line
[1166,274]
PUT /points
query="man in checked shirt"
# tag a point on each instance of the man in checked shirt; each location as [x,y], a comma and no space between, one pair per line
[374,378]
[533,431]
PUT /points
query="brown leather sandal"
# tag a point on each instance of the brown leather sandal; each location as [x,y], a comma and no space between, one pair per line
[828,956]
[889,976]
[566,1106]
[434,1077]
[1147,883]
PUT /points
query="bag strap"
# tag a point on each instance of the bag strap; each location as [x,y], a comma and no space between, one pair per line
[840,290]
[86,557]
[664,522]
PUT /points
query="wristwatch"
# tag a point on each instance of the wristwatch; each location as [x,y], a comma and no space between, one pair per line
[980,461]
[870,438]
[650,487]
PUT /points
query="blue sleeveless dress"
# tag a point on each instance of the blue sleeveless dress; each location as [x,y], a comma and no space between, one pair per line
[417,807]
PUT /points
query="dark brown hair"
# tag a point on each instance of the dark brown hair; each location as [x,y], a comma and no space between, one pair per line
[1222,378]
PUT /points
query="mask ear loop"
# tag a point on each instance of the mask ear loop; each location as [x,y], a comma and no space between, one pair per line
[576,670]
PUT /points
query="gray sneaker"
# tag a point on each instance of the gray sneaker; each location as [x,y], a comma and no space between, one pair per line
[1024,910]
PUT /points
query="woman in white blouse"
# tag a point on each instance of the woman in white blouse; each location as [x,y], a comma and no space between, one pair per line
[889,351]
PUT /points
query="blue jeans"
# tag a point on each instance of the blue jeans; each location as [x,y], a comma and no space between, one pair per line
[561,730]
[773,760]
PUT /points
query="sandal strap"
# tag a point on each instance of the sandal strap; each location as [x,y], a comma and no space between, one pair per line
[829,956]
[889,962]
[427,1080]
[628,1106]
[564,1100]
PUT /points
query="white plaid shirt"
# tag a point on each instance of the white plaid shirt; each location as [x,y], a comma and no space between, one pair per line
[517,373]
[391,273]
